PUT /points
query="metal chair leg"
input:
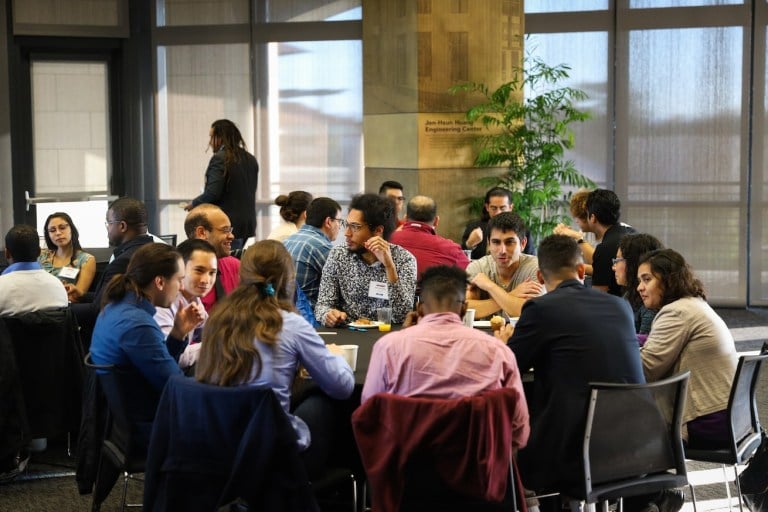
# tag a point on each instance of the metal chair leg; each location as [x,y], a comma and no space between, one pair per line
[125,491]
[693,497]
[727,488]
[738,488]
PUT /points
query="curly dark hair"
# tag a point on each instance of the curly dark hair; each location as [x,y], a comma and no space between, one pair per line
[632,247]
[377,211]
[675,274]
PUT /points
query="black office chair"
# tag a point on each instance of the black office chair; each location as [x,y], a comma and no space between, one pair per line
[120,452]
[213,446]
[632,441]
[744,425]
[169,239]
[49,358]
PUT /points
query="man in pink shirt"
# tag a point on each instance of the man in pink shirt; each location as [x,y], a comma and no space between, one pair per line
[418,237]
[439,357]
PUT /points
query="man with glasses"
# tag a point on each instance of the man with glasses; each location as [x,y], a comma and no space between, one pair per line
[394,191]
[309,247]
[209,222]
[126,225]
[368,272]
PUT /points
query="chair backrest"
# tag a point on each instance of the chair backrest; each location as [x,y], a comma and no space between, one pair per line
[742,405]
[225,443]
[466,441]
[49,358]
[634,430]
[120,428]
[169,239]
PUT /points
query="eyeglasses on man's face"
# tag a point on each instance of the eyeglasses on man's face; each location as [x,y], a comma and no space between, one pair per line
[354,226]
[227,230]
[108,222]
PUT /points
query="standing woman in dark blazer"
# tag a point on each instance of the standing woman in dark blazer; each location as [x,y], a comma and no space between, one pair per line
[231,179]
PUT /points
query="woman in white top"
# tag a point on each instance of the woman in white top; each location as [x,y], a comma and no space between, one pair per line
[293,210]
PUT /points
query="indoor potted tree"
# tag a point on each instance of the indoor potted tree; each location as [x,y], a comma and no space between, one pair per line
[528,134]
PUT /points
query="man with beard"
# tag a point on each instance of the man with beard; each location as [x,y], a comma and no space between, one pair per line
[368,272]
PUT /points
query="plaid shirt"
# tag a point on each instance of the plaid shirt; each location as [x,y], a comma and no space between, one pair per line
[309,248]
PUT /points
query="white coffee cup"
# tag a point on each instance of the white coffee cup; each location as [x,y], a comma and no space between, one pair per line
[469,318]
[350,355]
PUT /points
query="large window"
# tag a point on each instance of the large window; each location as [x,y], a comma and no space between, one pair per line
[294,90]
[674,111]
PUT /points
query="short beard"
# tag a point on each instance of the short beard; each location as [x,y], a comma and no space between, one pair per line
[359,251]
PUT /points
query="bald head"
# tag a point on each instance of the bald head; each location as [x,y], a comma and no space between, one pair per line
[422,209]
[209,222]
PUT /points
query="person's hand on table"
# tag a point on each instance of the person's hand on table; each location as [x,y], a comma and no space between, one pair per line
[505,332]
[334,317]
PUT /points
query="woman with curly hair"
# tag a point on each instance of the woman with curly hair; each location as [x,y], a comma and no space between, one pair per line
[231,179]
[293,210]
[631,248]
[64,258]
[687,334]
[255,337]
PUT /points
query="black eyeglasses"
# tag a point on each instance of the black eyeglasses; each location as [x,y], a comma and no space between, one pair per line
[354,226]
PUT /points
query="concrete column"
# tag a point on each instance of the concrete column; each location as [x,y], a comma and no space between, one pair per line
[415,132]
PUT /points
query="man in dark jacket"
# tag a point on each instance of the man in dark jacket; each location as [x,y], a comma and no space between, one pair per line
[570,336]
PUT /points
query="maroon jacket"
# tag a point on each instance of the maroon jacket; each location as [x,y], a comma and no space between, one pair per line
[469,439]
[429,248]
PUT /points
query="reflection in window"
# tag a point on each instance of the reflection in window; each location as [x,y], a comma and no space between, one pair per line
[587,55]
[315,117]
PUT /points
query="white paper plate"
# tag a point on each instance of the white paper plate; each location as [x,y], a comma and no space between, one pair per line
[374,324]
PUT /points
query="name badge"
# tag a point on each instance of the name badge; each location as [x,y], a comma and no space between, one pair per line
[378,290]
[69,272]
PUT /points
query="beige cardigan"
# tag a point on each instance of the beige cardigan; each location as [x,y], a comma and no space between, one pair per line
[688,335]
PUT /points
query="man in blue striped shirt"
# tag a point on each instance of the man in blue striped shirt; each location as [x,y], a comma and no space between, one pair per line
[309,247]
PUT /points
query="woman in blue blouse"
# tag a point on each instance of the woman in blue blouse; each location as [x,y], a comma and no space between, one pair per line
[255,337]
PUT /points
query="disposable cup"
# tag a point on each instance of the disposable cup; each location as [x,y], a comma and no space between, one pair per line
[350,355]
[469,318]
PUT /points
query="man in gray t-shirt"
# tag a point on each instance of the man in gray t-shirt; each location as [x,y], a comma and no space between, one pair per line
[505,278]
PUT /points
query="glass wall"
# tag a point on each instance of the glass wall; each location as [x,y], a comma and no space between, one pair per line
[294,90]
[675,117]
